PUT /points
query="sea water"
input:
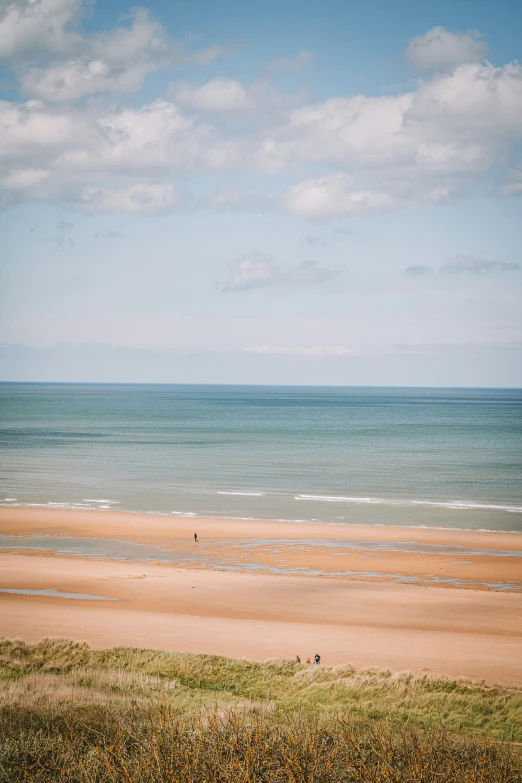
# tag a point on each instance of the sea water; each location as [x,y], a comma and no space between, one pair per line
[417,457]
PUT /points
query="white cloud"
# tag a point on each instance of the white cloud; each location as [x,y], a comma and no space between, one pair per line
[218,94]
[141,199]
[418,147]
[311,351]
[116,61]
[352,155]
[439,49]
[29,27]
[227,95]
[257,270]
[369,130]
[29,130]
[476,104]
[111,62]
[80,148]
[459,264]
[333,196]
[450,122]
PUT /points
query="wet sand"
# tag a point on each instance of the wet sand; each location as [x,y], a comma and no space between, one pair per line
[480,560]
[156,528]
[423,627]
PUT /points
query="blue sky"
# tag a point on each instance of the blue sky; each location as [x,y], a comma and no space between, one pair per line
[243,193]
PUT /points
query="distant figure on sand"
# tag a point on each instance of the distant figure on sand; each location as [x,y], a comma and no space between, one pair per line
[196,538]
[317,659]
[308,660]
[297,659]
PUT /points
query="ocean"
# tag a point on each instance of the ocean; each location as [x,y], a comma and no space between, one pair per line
[447,458]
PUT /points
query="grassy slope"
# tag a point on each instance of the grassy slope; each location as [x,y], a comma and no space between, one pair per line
[57,675]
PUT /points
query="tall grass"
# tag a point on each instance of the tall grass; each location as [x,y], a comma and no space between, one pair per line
[73,714]
[54,676]
[242,746]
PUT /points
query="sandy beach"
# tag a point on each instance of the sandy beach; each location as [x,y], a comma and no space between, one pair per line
[297,599]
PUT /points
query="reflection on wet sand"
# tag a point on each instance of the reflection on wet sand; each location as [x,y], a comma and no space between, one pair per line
[492,569]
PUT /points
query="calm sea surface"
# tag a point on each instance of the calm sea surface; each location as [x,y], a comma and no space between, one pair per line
[442,458]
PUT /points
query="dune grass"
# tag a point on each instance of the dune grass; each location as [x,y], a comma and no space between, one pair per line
[57,676]
[237,746]
[74,714]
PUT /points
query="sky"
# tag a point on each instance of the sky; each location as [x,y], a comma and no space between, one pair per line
[286,192]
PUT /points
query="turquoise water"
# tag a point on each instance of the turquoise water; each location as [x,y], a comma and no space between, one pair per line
[434,457]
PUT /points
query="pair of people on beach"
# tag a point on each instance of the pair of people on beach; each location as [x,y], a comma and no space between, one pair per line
[317,659]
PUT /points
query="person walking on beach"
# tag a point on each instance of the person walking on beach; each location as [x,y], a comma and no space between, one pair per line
[297,659]
[308,660]
[195,538]
[317,659]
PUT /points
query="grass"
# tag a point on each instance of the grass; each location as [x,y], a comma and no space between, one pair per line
[73,714]
[233,746]
[54,675]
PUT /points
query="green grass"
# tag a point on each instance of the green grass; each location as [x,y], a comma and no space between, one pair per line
[57,676]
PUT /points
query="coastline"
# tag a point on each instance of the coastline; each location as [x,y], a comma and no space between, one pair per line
[25,520]
[208,599]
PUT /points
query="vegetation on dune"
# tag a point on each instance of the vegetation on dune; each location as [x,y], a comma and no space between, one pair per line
[232,746]
[71,713]
[55,674]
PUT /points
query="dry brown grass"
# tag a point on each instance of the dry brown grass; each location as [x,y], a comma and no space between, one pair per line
[231,746]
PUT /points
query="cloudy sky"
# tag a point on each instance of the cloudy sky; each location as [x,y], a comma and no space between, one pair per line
[291,191]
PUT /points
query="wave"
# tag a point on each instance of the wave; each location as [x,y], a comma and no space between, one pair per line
[99,500]
[201,514]
[460,505]
[244,494]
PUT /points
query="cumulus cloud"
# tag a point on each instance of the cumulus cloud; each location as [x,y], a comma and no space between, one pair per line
[459,264]
[116,61]
[228,95]
[31,27]
[218,94]
[418,147]
[333,196]
[439,49]
[446,127]
[352,155]
[257,270]
[53,152]
[312,351]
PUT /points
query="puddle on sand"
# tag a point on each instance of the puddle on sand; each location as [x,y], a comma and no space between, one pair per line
[224,558]
[96,548]
[56,594]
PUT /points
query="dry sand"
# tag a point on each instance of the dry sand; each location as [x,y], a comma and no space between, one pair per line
[453,632]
